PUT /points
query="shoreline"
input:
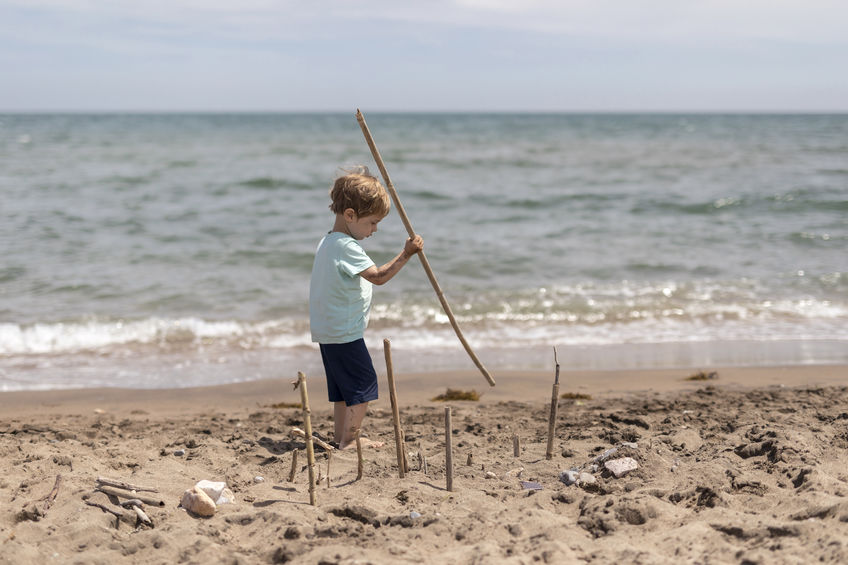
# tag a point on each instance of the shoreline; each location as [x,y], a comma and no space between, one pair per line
[413,388]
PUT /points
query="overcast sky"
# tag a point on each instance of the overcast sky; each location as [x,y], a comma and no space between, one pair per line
[461,55]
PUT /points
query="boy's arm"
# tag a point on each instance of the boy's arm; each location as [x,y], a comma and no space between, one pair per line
[382,275]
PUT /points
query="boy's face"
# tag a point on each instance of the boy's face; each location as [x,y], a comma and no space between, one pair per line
[361,227]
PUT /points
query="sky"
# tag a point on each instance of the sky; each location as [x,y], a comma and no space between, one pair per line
[439,55]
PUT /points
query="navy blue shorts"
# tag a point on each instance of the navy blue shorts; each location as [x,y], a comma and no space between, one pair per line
[350,373]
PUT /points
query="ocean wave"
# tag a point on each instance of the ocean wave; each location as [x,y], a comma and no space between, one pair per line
[167,334]
[572,316]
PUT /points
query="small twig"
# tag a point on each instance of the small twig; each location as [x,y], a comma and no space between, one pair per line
[321,443]
[516,445]
[125,486]
[50,498]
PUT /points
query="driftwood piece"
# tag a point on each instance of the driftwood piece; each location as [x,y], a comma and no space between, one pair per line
[142,516]
[125,486]
[549,452]
[448,451]
[293,465]
[387,350]
[307,422]
[321,443]
[130,495]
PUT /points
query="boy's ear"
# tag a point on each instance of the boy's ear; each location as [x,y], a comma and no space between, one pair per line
[349,215]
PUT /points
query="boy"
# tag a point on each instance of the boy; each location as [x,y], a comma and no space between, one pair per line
[340,298]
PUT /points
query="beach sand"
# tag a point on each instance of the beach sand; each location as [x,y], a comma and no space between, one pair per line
[748,467]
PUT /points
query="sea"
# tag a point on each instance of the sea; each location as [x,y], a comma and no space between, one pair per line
[174,250]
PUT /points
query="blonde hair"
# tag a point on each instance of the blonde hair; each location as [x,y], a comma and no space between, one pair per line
[359,190]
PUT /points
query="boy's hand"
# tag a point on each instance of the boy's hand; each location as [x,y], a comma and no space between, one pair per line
[413,245]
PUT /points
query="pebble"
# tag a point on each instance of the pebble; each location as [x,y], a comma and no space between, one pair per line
[198,502]
[414,515]
[258,479]
[179,452]
[622,466]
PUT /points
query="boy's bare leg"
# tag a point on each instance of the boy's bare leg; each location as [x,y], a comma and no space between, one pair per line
[347,420]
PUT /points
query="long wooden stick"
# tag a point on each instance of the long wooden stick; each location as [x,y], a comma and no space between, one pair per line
[549,453]
[426,264]
[307,423]
[387,350]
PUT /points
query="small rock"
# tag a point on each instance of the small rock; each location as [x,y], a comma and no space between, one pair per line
[530,485]
[198,502]
[568,477]
[491,475]
[258,479]
[179,452]
[586,479]
[622,466]
[414,515]
[217,491]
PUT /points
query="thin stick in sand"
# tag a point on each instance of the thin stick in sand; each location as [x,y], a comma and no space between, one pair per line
[387,350]
[329,458]
[516,446]
[424,263]
[294,465]
[448,450]
[403,448]
[422,459]
[307,423]
[360,461]
[549,452]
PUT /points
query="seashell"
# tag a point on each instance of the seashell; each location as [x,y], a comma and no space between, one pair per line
[198,502]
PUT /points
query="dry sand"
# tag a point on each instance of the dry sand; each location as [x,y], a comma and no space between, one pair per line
[750,467]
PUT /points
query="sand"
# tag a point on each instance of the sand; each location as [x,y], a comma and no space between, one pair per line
[749,467]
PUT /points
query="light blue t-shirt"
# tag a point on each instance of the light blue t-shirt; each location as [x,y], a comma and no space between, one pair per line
[339,299]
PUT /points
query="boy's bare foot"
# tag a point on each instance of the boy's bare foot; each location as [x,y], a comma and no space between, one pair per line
[365,443]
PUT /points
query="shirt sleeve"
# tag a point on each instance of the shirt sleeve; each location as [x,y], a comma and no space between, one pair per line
[353,259]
